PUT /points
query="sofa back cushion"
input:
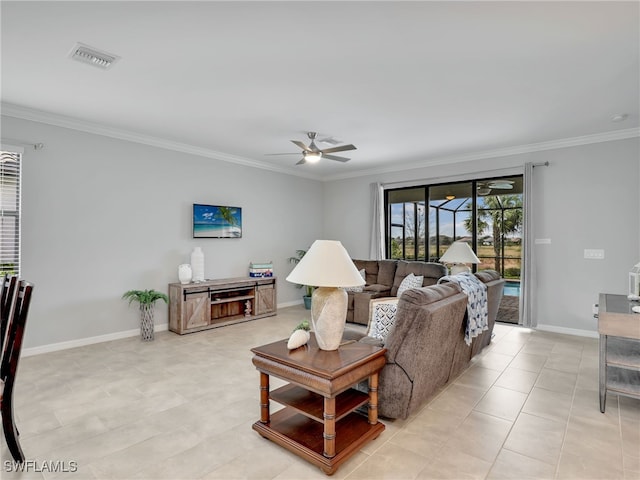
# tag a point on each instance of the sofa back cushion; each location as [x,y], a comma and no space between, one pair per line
[487,275]
[377,272]
[430,271]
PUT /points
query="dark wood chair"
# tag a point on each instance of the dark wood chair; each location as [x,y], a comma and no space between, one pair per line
[19,308]
[7,288]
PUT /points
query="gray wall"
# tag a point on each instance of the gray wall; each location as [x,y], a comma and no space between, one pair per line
[587,198]
[101,216]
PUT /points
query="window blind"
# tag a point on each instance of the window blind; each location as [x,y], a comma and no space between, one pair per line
[10,163]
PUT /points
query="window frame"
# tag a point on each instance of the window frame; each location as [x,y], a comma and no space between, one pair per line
[11,249]
[475,207]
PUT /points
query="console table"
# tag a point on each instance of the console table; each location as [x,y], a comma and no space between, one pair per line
[216,303]
[619,330]
[319,422]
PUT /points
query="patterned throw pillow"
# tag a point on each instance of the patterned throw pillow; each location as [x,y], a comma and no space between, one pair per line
[382,319]
[359,288]
[410,281]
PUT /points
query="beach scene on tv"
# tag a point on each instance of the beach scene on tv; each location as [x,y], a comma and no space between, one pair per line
[211,221]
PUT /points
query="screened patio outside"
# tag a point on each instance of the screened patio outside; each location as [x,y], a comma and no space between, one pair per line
[485,213]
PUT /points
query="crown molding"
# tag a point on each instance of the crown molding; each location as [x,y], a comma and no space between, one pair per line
[25,113]
[500,152]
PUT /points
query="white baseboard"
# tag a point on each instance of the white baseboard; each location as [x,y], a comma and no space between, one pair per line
[81,342]
[290,304]
[568,331]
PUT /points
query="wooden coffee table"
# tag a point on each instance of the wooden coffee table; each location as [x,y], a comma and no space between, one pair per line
[319,422]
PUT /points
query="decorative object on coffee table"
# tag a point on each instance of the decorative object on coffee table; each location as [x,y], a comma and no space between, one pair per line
[328,266]
[300,335]
[459,254]
[146,300]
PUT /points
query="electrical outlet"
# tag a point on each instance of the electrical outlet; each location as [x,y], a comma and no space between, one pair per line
[594,253]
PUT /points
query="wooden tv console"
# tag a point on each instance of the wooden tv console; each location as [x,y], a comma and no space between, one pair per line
[216,303]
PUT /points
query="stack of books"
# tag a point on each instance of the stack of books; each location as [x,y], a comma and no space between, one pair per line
[261,269]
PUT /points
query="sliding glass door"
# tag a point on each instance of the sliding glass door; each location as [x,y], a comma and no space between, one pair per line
[422,222]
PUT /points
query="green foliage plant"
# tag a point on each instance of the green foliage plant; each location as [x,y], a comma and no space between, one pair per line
[303,325]
[296,259]
[145,297]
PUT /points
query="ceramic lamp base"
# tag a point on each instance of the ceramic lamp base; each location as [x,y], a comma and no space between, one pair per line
[457,268]
[328,316]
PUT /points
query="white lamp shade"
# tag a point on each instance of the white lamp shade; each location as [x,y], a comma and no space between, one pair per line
[459,252]
[326,264]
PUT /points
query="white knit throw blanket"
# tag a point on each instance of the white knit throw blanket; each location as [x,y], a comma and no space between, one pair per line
[477,310]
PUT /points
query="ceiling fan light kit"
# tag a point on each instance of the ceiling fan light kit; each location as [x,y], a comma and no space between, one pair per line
[312,157]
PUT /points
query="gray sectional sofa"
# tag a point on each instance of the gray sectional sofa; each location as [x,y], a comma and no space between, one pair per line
[426,346]
[383,277]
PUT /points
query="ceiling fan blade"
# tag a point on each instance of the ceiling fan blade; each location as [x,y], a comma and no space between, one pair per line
[330,140]
[301,145]
[501,184]
[334,157]
[301,162]
[288,153]
[342,148]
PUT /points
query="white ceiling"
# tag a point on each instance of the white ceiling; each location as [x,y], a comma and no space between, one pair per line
[406,82]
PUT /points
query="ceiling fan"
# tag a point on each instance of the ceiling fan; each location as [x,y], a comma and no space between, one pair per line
[485,188]
[313,154]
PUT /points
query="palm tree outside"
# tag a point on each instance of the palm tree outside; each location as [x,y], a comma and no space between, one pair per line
[502,215]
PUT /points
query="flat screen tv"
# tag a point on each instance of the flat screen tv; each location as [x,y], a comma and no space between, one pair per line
[216,221]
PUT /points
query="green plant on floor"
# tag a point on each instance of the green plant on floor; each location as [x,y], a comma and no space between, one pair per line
[146,300]
[308,288]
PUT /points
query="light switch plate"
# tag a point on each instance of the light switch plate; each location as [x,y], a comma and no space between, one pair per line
[594,253]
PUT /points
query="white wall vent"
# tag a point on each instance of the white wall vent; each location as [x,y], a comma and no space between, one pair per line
[84,53]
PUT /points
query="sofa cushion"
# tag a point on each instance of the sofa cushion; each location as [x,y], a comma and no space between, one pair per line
[430,272]
[383,316]
[377,288]
[410,281]
[487,275]
[370,268]
[386,272]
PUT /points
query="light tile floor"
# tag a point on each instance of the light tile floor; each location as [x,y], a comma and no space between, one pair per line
[182,407]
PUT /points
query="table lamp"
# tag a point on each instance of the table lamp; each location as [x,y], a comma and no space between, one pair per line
[459,254]
[327,266]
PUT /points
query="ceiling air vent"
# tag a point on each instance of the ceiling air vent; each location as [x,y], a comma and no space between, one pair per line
[92,56]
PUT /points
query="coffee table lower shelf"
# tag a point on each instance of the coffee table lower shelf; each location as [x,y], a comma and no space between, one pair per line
[304,436]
